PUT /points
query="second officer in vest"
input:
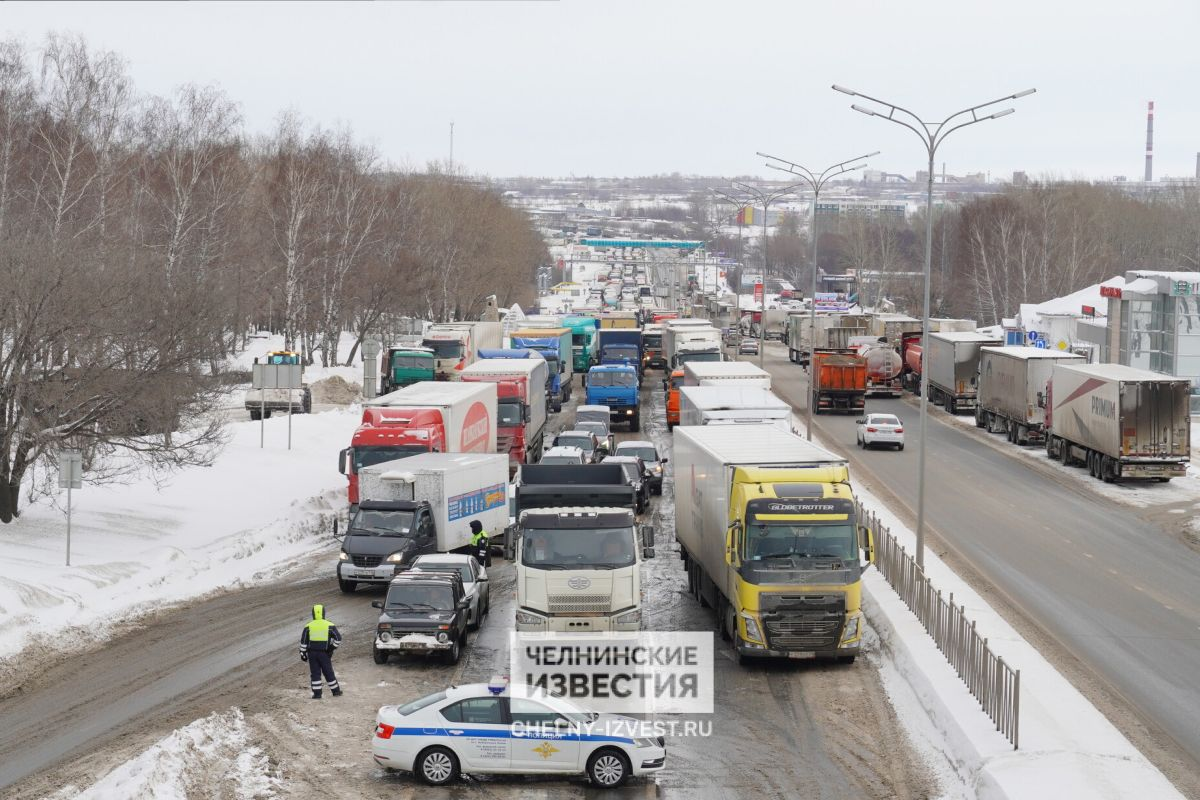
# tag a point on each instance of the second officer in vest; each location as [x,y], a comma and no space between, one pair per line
[317,643]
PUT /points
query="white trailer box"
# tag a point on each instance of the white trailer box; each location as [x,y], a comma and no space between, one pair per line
[677,331]
[535,371]
[702,491]
[1012,389]
[468,411]
[732,405]
[952,363]
[723,373]
[471,337]
[459,487]
[1121,421]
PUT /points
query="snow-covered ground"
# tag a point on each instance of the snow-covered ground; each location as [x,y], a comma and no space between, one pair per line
[162,538]
[212,757]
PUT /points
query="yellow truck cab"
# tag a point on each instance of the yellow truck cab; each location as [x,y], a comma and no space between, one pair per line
[767,530]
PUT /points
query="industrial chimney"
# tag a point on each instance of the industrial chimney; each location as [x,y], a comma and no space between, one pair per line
[1150,142]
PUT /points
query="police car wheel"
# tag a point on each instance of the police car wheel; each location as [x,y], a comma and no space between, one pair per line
[608,768]
[437,766]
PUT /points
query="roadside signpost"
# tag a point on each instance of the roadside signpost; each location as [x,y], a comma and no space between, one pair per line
[70,477]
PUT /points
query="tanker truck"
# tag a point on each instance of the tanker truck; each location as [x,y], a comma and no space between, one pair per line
[883,369]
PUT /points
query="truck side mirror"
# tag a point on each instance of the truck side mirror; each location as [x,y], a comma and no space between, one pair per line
[377,604]
[867,542]
[1041,400]
[526,414]
[343,458]
[647,552]
[335,527]
[663,460]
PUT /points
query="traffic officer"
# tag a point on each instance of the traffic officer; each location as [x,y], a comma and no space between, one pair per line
[479,543]
[317,643]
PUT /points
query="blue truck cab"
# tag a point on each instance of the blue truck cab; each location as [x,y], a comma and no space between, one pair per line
[615,386]
[554,344]
[622,346]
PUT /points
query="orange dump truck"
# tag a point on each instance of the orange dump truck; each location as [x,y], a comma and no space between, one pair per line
[839,381]
[671,386]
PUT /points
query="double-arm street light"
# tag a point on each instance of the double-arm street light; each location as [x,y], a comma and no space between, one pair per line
[765,199]
[740,203]
[931,134]
[815,181]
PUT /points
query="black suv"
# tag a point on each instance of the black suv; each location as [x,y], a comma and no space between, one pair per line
[424,612]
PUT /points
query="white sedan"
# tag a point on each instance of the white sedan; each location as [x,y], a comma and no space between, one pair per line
[885,429]
[474,578]
[494,728]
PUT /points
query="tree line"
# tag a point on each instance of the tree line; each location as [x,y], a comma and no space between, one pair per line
[142,237]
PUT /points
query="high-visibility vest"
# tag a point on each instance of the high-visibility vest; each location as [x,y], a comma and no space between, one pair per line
[477,538]
[318,629]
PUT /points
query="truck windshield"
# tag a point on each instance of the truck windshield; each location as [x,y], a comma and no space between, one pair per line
[621,351]
[380,522]
[624,380]
[800,541]
[445,348]
[684,358]
[578,548]
[402,361]
[440,598]
[508,413]
[370,455]
[578,339]
[652,340]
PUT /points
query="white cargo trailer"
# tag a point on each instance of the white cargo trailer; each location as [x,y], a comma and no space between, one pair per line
[1118,421]
[468,411]
[952,363]
[732,405]
[722,373]
[459,487]
[1012,390]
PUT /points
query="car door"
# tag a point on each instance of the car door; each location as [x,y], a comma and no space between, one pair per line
[426,534]
[542,739]
[479,733]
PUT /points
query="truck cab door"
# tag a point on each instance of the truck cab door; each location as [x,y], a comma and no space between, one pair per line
[426,534]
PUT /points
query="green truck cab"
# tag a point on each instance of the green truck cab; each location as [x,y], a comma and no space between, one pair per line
[403,366]
[584,341]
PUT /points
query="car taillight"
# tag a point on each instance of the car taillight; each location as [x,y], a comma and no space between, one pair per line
[871,430]
[383,731]
[899,430]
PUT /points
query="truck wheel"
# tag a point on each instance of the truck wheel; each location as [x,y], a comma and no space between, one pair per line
[951,406]
[670,426]
[380,656]
[347,587]
[255,415]
[306,402]
[1064,453]
[635,424]
[266,414]
[845,659]
[980,418]
[1107,473]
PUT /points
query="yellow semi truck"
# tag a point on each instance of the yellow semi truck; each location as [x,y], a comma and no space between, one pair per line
[767,531]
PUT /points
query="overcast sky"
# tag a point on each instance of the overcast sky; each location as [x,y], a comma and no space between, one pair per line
[632,87]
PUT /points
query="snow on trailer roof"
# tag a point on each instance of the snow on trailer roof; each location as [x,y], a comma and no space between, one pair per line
[757,445]
[965,336]
[1120,372]
[433,392]
[724,369]
[1022,351]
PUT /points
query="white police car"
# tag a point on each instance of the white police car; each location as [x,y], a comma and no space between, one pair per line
[495,728]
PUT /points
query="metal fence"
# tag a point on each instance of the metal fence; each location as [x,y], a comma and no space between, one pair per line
[996,685]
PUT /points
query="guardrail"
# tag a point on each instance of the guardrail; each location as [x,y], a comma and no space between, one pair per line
[995,684]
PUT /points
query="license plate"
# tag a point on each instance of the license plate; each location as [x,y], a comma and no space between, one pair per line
[804,654]
[414,645]
[365,574]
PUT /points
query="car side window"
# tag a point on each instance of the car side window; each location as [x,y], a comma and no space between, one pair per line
[476,710]
[527,712]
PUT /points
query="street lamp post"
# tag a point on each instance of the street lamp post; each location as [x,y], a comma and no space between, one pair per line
[766,198]
[739,203]
[815,181]
[931,134]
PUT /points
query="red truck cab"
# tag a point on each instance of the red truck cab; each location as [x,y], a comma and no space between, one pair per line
[510,428]
[386,434]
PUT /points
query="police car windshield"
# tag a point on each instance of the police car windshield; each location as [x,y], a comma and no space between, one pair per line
[376,522]
[403,597]
[417,705]
[578,548]
[799,541]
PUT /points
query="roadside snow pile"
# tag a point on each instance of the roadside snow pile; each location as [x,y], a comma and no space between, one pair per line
[166,538]
[211,757]
[336,391]
[264,343]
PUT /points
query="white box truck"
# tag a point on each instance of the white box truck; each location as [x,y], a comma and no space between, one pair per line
[522,403]
[461,418]
[732,405]
[952,363]
[456,345]
[417,505]
[1012,390]
[724,373]
[1118,421]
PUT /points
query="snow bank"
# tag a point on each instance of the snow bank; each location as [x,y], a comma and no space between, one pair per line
[211,757]
[166,538]
[1067,747]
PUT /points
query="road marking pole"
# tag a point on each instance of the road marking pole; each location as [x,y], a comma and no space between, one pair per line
[68,526]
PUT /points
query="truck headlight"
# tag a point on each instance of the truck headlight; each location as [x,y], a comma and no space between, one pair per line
[343,556]
[629,412]
[851,631]
[629,617]
[397,558]
[752,631]
[525,618]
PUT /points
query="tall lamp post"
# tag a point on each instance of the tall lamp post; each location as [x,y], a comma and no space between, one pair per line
[765,198]
[931,134]
[739,203]
[816,182]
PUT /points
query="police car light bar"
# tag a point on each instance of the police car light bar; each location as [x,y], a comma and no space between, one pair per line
[498,684]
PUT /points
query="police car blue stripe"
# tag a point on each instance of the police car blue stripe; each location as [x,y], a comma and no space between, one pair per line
[491,733]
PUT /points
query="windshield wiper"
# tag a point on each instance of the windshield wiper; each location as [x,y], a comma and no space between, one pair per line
[399,605]
[382,531]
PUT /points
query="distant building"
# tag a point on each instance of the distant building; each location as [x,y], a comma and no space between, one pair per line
[1020,179]
[870,207]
